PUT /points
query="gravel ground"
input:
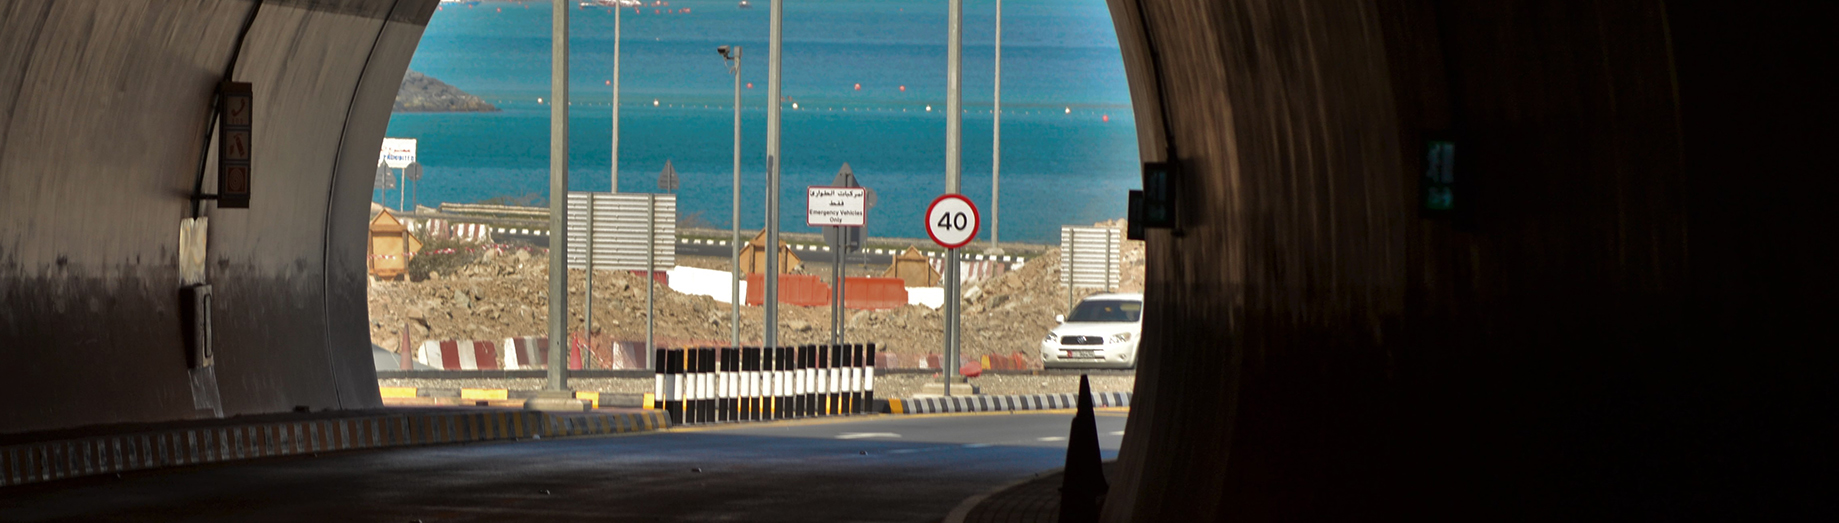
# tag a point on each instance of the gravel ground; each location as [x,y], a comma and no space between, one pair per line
[886,385]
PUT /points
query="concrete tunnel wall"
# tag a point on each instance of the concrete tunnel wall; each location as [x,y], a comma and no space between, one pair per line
[1633,323]
[104,105]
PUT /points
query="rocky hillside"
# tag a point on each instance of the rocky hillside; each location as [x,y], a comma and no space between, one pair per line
[421,93]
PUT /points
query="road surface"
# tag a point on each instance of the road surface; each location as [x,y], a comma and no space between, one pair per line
[875,469]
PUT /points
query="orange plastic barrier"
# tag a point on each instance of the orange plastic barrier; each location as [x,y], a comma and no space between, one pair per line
[874,293]
[794,289]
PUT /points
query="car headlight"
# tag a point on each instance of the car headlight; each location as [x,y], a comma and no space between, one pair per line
[1119,337]
[1050,338]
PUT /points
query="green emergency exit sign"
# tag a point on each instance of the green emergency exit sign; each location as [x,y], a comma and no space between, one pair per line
[1439,180]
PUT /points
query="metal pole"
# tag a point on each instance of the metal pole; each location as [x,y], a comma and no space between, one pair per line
[617,9]
[996,136]
[771,294]
[651,269]
[558,199]
[402,193]
[1066,264]
[734,285]
[836,289]
[587,327]
[954,133]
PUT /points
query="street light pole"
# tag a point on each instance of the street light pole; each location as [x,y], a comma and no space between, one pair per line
[996,136]
[771,278]
[617,9]
[558,200]
[733,56]
[954,134]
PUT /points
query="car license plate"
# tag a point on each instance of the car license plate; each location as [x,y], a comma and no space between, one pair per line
[1082,354]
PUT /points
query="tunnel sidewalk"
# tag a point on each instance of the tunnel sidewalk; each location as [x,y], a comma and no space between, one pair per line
[110,449]
[1035,500]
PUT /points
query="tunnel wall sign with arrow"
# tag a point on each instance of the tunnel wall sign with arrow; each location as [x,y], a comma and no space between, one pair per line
[234,140]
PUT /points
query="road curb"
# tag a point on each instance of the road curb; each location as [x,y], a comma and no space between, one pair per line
[964,508]
[985,403]
[57,459]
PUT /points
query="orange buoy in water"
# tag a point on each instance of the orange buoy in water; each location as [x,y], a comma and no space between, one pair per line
[858,87]
[1107,118]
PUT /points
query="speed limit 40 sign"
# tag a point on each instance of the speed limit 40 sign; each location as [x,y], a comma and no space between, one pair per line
[952,221]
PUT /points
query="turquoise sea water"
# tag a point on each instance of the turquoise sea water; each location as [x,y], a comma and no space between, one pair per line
[1057,167]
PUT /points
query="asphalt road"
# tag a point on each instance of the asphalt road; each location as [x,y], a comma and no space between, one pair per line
[882,468]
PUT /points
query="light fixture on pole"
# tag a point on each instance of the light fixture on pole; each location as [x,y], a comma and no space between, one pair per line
[732,56]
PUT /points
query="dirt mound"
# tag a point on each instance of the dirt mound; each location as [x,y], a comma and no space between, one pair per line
[504,293]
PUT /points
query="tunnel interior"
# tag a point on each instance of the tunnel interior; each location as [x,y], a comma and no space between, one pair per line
[1625,313]
[1611,321]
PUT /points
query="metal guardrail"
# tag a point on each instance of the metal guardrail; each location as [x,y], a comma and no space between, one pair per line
[513,211]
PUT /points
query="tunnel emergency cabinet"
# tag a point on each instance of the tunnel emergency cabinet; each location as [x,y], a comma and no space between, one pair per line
[729,384]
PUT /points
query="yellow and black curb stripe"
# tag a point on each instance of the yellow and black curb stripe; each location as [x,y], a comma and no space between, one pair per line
[982,403]
[70,458]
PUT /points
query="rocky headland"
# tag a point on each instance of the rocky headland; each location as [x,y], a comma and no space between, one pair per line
[421,93]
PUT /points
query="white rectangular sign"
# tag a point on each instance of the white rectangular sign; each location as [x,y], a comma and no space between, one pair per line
[398,152]
[836,206]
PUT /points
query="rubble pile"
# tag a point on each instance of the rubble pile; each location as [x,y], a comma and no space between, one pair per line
[505,294]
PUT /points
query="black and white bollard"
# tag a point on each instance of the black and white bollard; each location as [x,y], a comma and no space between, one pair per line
[868,378]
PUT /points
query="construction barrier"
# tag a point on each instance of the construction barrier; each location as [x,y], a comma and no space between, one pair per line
[874,293]
[473,232]
[459,354]
[730,384]
[972,271]
[796,289]
[526,352]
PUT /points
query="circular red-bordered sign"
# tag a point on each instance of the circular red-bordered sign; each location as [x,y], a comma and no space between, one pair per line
[952,221]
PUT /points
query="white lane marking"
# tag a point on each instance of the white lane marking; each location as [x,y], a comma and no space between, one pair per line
[978,445]
[1117,433]
[1052,438]
[860,435]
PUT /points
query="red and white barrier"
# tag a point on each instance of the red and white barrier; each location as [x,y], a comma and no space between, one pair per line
[459,354]
[970,271]
[473,232]
[526,352]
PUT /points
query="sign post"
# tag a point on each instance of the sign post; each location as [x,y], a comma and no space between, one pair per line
[952,222]
[842,211]
[397,153]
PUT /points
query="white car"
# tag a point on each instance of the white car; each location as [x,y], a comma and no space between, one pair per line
[1102,331]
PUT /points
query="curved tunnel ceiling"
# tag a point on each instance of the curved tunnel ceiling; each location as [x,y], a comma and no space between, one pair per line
[1315,348]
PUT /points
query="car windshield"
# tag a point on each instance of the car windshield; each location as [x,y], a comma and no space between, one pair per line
[1106,311]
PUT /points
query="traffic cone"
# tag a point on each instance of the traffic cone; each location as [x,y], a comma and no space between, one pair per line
[1083,486]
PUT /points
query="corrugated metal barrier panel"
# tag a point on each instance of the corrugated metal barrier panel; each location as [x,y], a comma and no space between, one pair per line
[619,230]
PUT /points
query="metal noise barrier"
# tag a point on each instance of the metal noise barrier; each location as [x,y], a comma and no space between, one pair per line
[736,384]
